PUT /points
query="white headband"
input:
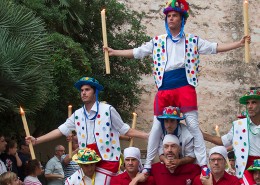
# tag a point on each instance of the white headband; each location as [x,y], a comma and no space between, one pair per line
[135,153]
[218,150]
[170,138]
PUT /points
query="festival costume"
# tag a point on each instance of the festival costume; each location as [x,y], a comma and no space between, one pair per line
[174,86]
[248,178]
[182,175]
[124,179]
[227,179]
[176,62]
[181,132]
[86,156]
[245,138]
[98,129]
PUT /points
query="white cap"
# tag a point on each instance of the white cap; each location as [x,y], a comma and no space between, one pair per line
[170,138]
[218,150]
[135,153]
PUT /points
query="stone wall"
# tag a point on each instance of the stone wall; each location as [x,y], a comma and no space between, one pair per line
[224,77]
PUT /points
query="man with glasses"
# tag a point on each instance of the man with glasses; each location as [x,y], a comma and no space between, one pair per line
[218,175]
[2,149]
[243,131]
[53,171]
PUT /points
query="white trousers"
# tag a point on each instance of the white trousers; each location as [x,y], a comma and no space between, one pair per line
[193,126]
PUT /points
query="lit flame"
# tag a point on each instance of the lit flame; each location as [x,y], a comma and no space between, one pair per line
[134,114]
[216,128]
[245,1]
[21,111]
[70,106]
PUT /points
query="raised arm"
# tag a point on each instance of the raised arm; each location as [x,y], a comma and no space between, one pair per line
[233,45]
[120,53]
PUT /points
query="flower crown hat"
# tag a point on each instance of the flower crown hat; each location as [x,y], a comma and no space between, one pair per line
[171,113]
[180,6]
[252,94]
[86,156]
[255,166]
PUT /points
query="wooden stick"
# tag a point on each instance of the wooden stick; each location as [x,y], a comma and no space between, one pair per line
[70,142]
[133,126]
[27,132]
[246,30]
[104,32]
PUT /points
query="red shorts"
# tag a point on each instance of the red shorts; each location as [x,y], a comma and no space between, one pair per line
[183,97]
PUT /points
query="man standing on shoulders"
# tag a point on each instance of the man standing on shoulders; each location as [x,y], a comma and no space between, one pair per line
[218,175]
[53,170]
[247,129]
[182,174]
[133,167]
[175,57]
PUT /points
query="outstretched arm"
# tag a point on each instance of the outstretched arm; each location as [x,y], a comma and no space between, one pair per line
[120,53]
[213,139]
[47,137]
[233,45]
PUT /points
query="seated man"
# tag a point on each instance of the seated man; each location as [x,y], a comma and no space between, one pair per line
[218,175]
[182,174]
[170,121]
[133,165]
[86,159]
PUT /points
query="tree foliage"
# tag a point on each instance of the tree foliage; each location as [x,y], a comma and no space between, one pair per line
[75,43]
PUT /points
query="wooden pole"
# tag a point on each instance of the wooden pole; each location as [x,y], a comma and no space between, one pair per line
[70,142]
[133,126]
[246,30]
[104,32]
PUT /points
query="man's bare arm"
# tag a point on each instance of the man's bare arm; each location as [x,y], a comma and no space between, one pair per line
[213,139]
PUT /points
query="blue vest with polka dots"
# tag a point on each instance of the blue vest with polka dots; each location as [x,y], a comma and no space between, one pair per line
[191,58]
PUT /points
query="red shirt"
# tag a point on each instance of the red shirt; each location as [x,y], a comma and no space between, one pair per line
[183,174]
[247,178]
[124,179]
[227,179]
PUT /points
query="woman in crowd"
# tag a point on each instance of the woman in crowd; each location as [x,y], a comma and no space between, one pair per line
[10,157]
[34,169]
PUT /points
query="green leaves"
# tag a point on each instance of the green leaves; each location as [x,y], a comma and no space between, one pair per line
[24,70]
